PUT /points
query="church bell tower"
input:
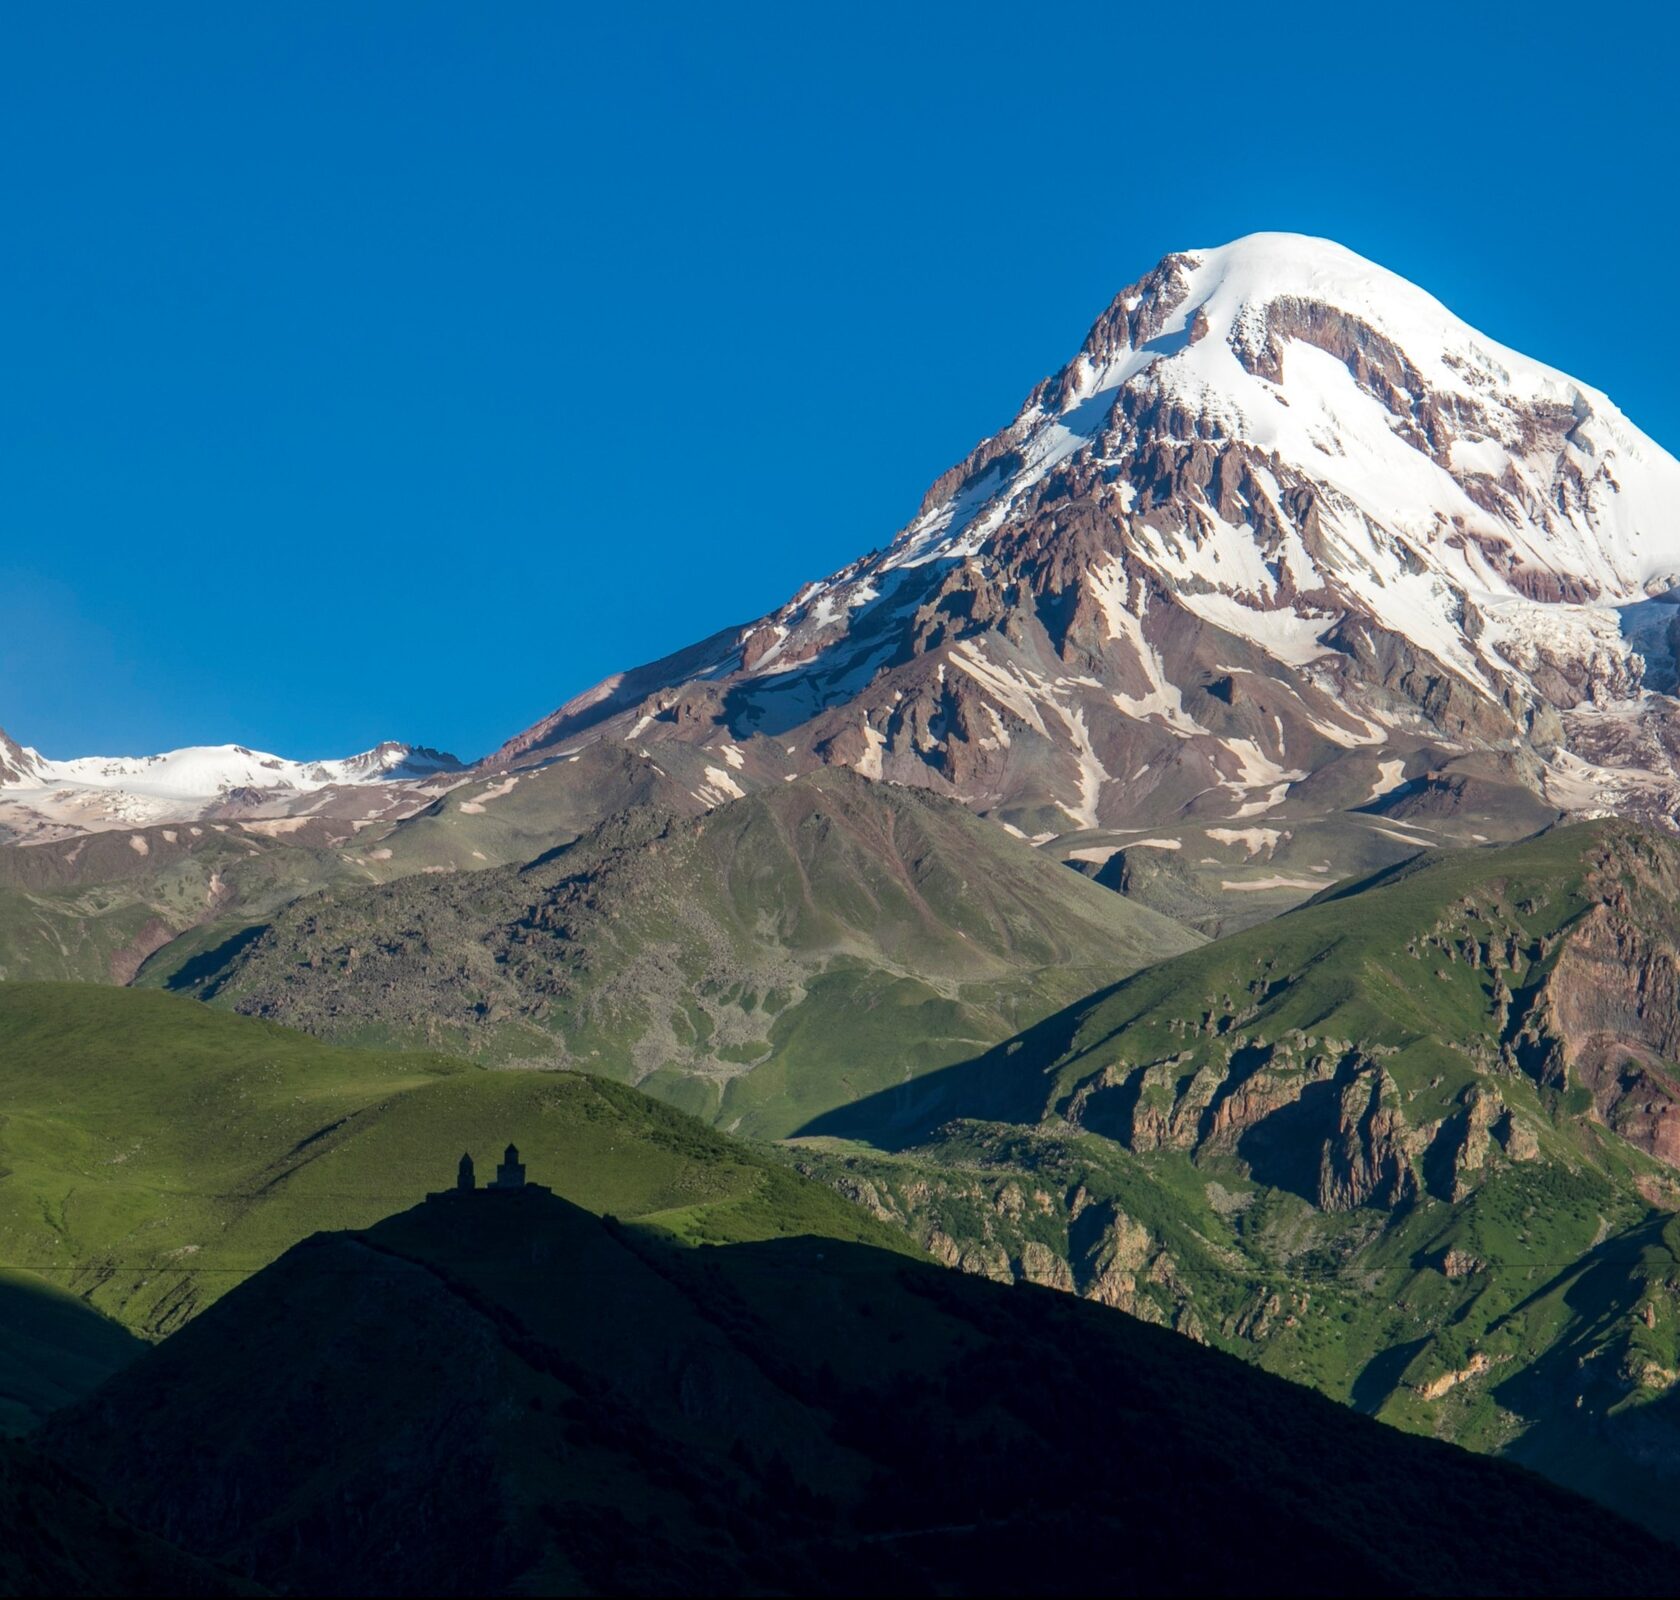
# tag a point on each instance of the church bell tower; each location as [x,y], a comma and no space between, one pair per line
[511,1173]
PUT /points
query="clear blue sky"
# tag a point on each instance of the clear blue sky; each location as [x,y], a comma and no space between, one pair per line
[397,370]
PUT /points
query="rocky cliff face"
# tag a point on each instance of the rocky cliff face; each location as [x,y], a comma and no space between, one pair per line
[1281,511]
[1607,1017]
[1572,985]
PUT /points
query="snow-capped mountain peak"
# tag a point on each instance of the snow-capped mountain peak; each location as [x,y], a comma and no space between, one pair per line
[1282,505]
[1505,473]
[1282,516]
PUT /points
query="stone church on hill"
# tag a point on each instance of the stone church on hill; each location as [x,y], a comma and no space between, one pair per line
[510,1179]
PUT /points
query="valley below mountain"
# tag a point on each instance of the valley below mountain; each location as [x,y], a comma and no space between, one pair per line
[1412,1144]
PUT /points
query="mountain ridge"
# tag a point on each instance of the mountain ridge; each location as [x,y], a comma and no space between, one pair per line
[805,941]
[1282,527]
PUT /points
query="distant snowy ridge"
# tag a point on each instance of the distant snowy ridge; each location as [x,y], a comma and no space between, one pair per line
[205,771]
[42,798]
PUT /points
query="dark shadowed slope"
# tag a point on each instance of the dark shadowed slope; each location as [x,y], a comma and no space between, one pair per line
[54,1348]
[503,1393]
[56,1539]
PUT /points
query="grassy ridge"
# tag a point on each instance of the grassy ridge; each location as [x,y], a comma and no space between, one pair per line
[1349,964]
[156,1151]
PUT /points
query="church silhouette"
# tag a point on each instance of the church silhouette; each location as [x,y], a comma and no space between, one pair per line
[510,1179]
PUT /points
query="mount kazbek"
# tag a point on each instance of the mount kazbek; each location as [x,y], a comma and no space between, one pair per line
[1285,540]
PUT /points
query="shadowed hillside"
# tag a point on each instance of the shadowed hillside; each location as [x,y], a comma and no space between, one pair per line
[500,1393]
[56,1539]
[54,1348]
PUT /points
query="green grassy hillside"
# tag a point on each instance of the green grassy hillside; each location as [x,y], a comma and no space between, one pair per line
[791,951]
[505,1394]
[154,1151]
[95,909]
[1409,1144]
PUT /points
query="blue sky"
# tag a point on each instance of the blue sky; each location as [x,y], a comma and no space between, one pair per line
[397,370]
